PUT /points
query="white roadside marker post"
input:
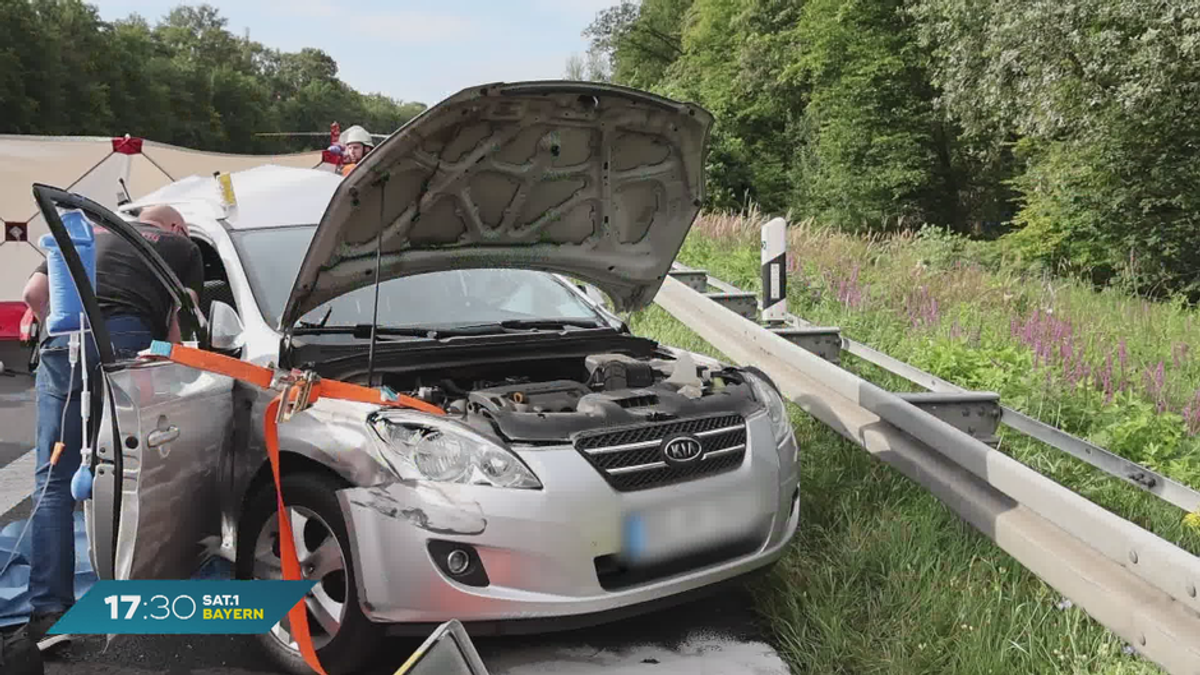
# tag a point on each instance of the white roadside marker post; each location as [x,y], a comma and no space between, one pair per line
[774,271]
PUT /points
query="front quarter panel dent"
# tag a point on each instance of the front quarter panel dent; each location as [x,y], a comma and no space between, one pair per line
[423,505]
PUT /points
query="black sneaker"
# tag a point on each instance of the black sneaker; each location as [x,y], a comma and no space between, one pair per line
[40,624]
[19,655]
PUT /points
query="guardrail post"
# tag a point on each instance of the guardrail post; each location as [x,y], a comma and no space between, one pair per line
[976,413]
[824,342]
[697,280]
[745,304]
[774,271]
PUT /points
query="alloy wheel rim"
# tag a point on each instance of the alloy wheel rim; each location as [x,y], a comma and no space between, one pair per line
[321,560]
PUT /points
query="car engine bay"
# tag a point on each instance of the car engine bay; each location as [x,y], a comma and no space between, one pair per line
[549,400]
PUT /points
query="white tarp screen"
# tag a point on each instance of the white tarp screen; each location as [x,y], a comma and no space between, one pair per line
[89,166]
[181,162]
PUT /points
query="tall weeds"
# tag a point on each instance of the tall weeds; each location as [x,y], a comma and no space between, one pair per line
[1099,359]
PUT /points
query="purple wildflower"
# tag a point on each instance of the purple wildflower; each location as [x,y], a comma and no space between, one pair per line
[1106,379]
[1155,381]
[1191,415]
[1035,324]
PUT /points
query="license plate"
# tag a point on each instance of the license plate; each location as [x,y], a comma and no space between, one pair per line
[655,534]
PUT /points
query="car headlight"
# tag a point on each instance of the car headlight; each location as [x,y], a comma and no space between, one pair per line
[764,391]
[445,454]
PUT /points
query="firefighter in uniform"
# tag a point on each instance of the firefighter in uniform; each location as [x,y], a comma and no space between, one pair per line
[358,142]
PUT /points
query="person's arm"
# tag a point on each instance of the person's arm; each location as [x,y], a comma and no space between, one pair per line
[193,278]
[174,335]
[37,294]
[174,332]
[190,274]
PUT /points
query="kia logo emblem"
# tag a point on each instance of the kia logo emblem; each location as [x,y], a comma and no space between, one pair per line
[682,449]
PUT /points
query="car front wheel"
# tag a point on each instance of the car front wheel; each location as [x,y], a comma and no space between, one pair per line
[344,639]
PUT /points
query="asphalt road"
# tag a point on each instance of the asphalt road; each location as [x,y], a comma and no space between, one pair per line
[713,636]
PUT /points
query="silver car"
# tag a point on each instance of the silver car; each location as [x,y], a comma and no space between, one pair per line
[580,473]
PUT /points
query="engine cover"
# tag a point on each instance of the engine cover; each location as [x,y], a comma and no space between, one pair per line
[555,411]
[558,396]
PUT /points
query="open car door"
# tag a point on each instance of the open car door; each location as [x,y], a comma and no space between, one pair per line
[158,428]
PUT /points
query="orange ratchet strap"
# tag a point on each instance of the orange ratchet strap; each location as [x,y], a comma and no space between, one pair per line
[298,390]
[299,386]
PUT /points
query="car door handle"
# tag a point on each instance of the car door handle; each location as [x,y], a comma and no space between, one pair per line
[160,436]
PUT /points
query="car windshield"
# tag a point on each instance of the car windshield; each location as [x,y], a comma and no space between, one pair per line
[272,257]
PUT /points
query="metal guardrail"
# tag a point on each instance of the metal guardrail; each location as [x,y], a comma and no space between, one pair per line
[1137,584]
[1142,477]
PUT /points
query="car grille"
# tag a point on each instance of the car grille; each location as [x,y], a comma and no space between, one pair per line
[630,458]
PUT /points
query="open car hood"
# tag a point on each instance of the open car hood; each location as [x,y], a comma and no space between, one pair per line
[597,182]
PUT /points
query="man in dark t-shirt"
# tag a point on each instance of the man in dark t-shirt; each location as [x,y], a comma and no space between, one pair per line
[137,309]
[125,285]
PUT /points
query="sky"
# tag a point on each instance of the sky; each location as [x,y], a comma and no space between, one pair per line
[413,50]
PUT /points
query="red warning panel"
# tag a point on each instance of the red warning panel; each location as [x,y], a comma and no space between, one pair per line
[127,145]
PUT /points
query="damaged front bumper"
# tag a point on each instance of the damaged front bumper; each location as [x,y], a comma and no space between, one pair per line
[525,556]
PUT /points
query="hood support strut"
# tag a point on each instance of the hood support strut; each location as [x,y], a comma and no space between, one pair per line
[382,183]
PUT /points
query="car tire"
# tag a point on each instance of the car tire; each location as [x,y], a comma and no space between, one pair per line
[311,496]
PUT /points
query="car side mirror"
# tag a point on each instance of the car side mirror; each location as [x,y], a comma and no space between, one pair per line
[226,330]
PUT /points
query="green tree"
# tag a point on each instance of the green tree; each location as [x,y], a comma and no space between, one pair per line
[64,73]
[876,157]
[1073,123]
[19,72]
[591,68]
[733,56]
[185,80]
[1102,96]
[640,39]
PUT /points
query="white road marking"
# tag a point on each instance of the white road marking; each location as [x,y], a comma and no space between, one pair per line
[16,481]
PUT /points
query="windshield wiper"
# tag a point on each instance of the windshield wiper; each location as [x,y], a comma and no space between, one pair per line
[362,331]
[524,325]
[551,324]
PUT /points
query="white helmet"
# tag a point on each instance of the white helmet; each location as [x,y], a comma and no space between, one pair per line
[357,134]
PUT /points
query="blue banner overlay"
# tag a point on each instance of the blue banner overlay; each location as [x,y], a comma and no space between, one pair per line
[181,607]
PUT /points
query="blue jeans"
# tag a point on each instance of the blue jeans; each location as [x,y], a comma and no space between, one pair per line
[52,559]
